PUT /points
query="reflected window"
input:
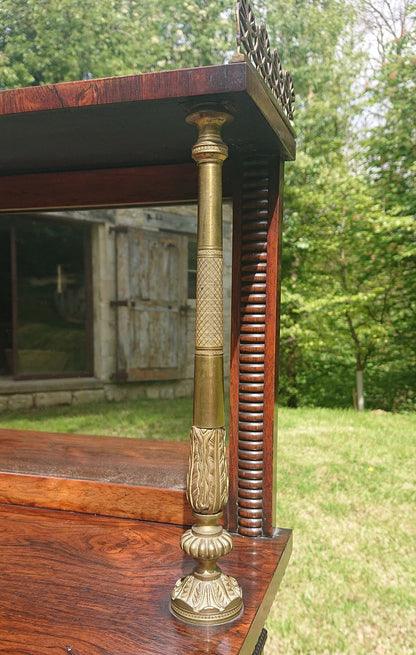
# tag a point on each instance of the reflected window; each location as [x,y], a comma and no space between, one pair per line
[51,299]
[6,316]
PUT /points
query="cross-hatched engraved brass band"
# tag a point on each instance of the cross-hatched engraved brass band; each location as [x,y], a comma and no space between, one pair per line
[209,320]
[208,596]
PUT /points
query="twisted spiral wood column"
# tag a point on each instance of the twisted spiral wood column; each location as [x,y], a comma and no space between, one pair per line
[252,333]
[256,308]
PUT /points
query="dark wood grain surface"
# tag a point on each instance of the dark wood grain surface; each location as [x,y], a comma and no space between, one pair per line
[254,344]
[100,188]
[137,478]
[136,120]
[272,341]
[162,85]
[90,457]
[140,185]
[88,585]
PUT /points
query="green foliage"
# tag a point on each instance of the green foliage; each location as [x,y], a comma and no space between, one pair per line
[390,147]
[348,294]
[349,257]
[43,41]
[192,33]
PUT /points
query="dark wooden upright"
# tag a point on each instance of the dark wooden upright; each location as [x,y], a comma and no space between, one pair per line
[254,344]
[102,583]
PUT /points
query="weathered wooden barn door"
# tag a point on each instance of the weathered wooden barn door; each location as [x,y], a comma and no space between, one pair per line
[151,304]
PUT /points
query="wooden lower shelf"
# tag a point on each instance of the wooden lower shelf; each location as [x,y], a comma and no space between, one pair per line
[95,585]
[89,551]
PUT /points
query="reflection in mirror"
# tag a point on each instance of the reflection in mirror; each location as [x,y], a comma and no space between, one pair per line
[51,297]
[104,299]
[6,320]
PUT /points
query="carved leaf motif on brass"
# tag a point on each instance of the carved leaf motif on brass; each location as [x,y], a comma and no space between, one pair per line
[212,595]
[207,484]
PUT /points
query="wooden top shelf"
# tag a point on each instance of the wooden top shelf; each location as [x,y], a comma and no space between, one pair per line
[95,585]
[135,120]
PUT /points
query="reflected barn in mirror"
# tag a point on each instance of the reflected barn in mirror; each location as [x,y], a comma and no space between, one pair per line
[103,296]
[99,305]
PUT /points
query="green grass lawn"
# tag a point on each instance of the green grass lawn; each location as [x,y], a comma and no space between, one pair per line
[150,419]
[346,485]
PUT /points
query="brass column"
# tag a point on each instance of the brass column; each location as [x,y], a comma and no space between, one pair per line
[208,596]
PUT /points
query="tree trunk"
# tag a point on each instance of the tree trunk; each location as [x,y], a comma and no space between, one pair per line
[292,400]
[360,390]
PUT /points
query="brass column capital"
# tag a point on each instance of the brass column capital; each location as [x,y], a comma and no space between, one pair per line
[210,146]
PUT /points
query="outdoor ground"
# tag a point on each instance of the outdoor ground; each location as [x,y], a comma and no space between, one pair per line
[346,485]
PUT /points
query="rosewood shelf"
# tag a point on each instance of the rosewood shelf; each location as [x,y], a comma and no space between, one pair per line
[93,585]
[133,478]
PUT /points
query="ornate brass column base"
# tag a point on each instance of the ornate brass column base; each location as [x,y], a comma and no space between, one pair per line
[207,602]
[207,596]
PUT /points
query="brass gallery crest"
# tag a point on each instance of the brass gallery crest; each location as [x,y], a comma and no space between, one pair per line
[254,39]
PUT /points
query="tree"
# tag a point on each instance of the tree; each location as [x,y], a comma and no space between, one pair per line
[349,289]
[315,40]
[348,282]
[43,41]
[390,145]
[389,155]
[364,305]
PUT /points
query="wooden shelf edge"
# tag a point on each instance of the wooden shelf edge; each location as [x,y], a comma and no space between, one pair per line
[265,606]
[111,476]
[95,497]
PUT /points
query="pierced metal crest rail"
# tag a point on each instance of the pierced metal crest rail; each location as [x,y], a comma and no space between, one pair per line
[255,41]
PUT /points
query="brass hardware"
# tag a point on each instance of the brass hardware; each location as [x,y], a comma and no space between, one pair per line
[255,40]
[207,596]
[122,303]
[118,229]
[209,390]
[207,481]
